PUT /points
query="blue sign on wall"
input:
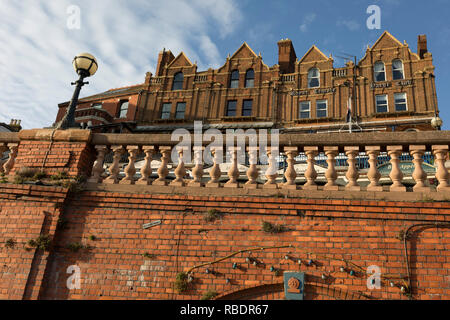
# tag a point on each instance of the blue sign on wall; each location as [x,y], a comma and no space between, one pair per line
[294,285]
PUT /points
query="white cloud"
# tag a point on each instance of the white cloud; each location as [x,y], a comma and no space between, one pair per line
[307,22]
[125,37]
[351,25]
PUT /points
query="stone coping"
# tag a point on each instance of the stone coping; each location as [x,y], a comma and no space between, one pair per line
[277,193]
[70,135]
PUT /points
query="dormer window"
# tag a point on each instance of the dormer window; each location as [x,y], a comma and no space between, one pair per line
[313,78]
[250,78]
[178,81]
[97,105]
[379,71]
[397,70]
[123,110]
[234,81]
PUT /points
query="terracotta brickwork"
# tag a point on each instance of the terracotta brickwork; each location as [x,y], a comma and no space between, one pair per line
[332,233]
[406,91]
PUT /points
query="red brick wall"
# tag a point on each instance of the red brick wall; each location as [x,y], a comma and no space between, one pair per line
[363,233]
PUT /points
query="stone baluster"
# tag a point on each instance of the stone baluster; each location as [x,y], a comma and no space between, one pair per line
[197,172]
[233,173]
[440,154]
[290,174]
[146,170]
[352,172]
[180,171]
[419,174]
[310,173]
[373,174]
[97,168]
[272,170]
[252,172]
[114,168]
[163,171]
[331,174]
[130,169]
[396,174]
[214,172]
[9,164]
[3,149]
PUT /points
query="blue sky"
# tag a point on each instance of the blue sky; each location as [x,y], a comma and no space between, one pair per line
[126,36]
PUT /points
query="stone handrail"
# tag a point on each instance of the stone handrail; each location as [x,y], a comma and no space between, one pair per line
[416,144]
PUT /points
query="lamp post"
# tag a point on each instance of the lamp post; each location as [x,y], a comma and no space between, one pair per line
[85,66]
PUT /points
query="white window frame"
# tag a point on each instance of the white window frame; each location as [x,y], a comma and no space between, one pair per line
[311,77]
[402,69]
[375,72]
[387,102]
[300,111]
[406,101]
[123,102]
[326,108]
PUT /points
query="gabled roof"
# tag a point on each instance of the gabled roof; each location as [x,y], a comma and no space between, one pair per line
[314,54]
[388,39]
[243,52]
[181,61]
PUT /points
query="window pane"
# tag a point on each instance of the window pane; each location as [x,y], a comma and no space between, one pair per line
[178,81]
[382,104]
[380,74]
[313,78]
[97,105]
[181,107]
[400,102]
[249,83]
[305,110]
[234,81]
[166,110]
[123,109]
[321,109]
[249,78]
[231,108]
[247,108]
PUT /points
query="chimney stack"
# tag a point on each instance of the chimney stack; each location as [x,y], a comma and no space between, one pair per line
[164,57]
[422,47]
[286,56]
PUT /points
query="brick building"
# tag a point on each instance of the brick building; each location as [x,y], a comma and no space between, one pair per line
[395,91]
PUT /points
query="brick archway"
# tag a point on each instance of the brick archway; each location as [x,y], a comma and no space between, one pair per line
[313,291]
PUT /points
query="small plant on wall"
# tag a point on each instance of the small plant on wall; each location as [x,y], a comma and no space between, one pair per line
[10,243]
[76,246]
[181,282]
[212,215]
[209,295]
[268,227]
[42,242]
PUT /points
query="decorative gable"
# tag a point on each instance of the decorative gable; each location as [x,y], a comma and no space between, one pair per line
[386,40]
[244,52]
[313,55]
[181,61]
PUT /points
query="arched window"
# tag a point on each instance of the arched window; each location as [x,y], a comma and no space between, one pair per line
[379,71]
[397,70]
[123,109]
[234,81]
[313,78]
[178,81]
[250,78]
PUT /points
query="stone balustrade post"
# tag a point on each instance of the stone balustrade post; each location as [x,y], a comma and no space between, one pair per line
[310,173]
[214,172]
[290,174]
[197,172]
[97,168]
[272,170]
[373,175]
[9,164]
[440,154]
[352,173]
[146,170]
[233,173]
[252,172]
[396,174]
[114,168]
[331,174]
[163,170]
[180,171]
[419,175]
[130,169]
[3,149]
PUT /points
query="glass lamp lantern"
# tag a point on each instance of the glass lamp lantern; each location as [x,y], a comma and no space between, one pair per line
[85,64]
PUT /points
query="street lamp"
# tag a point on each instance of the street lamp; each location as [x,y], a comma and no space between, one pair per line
[85,66]
[436,122]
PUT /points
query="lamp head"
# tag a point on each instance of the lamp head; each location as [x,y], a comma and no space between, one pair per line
[436,122]
[85,64]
